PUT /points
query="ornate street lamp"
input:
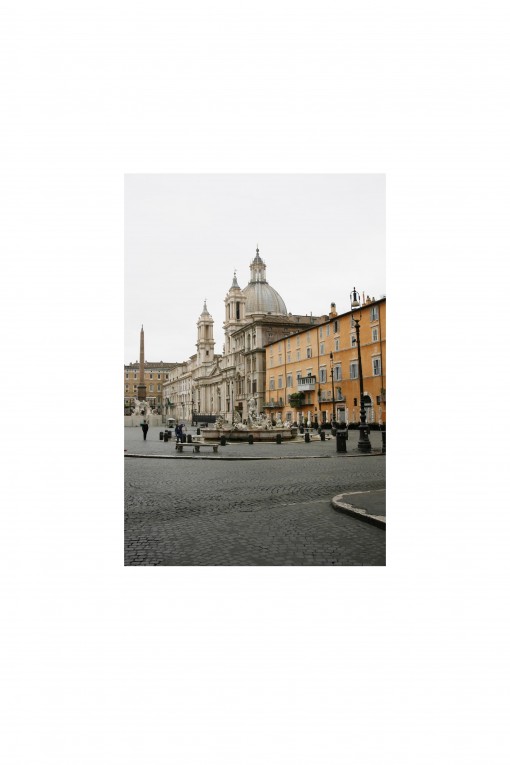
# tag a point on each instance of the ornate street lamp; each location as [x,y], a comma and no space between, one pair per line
[364,444]
[333,418]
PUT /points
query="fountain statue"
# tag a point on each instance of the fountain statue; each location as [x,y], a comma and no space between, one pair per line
[142,408]
[258,427]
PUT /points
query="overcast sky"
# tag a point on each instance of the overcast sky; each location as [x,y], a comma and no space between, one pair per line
[319,235]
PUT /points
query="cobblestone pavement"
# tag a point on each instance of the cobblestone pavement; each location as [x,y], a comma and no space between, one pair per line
[193,511]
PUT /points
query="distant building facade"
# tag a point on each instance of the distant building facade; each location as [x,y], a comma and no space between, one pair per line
[155,375]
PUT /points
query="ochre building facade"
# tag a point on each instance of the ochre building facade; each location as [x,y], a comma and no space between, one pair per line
[313,375]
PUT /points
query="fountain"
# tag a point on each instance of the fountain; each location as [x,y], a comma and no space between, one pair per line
[142,412]
[259,426]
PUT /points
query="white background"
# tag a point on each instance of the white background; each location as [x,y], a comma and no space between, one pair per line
[402,664]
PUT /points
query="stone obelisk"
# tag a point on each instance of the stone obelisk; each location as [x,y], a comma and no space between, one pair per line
[142,389]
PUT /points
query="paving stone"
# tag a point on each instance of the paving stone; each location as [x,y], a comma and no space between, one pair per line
[264,512]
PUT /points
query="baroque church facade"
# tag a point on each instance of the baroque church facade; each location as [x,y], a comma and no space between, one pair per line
[212,384]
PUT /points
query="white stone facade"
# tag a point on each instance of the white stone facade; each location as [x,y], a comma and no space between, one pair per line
[222,384]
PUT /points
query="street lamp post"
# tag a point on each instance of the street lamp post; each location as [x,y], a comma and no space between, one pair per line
[333,418]
[364,444]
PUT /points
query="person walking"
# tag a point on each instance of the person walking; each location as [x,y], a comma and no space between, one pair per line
[178,433]
[145,429]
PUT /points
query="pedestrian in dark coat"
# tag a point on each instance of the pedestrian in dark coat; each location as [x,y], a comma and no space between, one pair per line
[145,429]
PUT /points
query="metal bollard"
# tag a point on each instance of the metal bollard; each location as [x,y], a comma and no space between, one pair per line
[198,431]
[307,438]
[341,442]
[250,439]
[165,438]
[223,440]
[383,441]
[278,438]
[161,436]
[323,436]
[189,439]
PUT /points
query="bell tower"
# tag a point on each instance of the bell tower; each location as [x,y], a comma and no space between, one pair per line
[235,302]
[205,338]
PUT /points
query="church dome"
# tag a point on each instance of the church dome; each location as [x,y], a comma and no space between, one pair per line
[260,296]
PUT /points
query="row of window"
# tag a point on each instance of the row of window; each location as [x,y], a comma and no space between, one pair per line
[308,401]
[323,374]
[151,388]
[322,348]
[134,375]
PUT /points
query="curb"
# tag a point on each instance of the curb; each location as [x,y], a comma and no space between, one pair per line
[358,512]
[200,457]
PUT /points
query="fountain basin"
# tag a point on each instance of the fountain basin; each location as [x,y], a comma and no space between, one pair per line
[259,434]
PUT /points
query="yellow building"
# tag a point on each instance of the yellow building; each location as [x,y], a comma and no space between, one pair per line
[313,375]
